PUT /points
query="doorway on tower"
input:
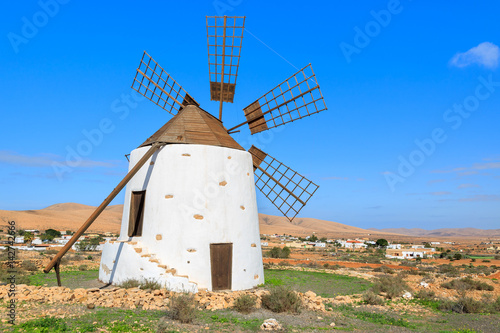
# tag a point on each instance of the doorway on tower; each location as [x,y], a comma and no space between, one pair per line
[136,216]
[221,261]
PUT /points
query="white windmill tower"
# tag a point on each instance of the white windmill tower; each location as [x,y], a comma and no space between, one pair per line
[190,216]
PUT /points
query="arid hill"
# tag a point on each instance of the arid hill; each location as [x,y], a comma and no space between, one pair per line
[70,216]
[443,232]
[65,216]
[270,224]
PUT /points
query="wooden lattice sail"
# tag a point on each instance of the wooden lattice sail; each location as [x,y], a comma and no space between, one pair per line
[224,39]
[285,188]
[154,83]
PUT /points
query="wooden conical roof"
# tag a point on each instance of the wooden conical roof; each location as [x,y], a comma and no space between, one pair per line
[193,125]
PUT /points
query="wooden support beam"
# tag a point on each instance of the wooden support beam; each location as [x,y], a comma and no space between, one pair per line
[56,268]
[222,68]
[56,260]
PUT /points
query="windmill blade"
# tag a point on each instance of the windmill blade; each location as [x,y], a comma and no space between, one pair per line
[297,97]
[155,84]
[284,187]
[224,39]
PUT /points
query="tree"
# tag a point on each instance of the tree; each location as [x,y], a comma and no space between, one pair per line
[87,244]
[427,245]
[457,256]
[313,238]
[28,237]
[285,252]
[53,233]
[382,242]
[50,234]
[322,239]
[277,252]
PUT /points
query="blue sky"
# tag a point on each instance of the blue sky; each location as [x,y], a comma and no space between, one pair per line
[411,137]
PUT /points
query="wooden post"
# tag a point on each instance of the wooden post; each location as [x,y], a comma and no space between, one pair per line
[222,68]
[56,268]
[99,209]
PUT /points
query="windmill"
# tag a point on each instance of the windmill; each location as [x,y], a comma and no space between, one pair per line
[190,216]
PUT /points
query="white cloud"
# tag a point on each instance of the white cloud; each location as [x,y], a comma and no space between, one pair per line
[335,178]
[486,54]
[482,197]
[47,160]
[440,193]
[464,171]
[468,185]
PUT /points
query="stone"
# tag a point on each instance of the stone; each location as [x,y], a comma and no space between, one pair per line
[270,324]
[90,306]
[424,284]
[332,324]
[310,294]
[407,295]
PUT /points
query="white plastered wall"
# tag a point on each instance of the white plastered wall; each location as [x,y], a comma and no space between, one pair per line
[196,195]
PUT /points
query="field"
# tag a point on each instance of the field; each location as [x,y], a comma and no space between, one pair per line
[342,291]
[338,289]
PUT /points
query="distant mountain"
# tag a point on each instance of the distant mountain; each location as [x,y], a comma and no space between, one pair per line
[65,216]
[270,224]
[443,232]
[70,216]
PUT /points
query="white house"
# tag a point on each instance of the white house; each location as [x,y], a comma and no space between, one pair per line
[407,253]
[19,240]
[320,244]
[352,244]
[394,246]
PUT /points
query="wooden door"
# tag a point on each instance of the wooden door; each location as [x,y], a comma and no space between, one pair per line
[136,216]
[221,261]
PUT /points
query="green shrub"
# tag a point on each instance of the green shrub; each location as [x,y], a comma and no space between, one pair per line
[370,298]
[467,283]
[448,270]
[425,294]
[182,308]
[384,269]
[469,305]
[129,283]
[22,277]
[282,299]
[29,266]
[277,252]
[150,284]
[393,286]
[245,303]
[486,260]
[45,325]
[82,267]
